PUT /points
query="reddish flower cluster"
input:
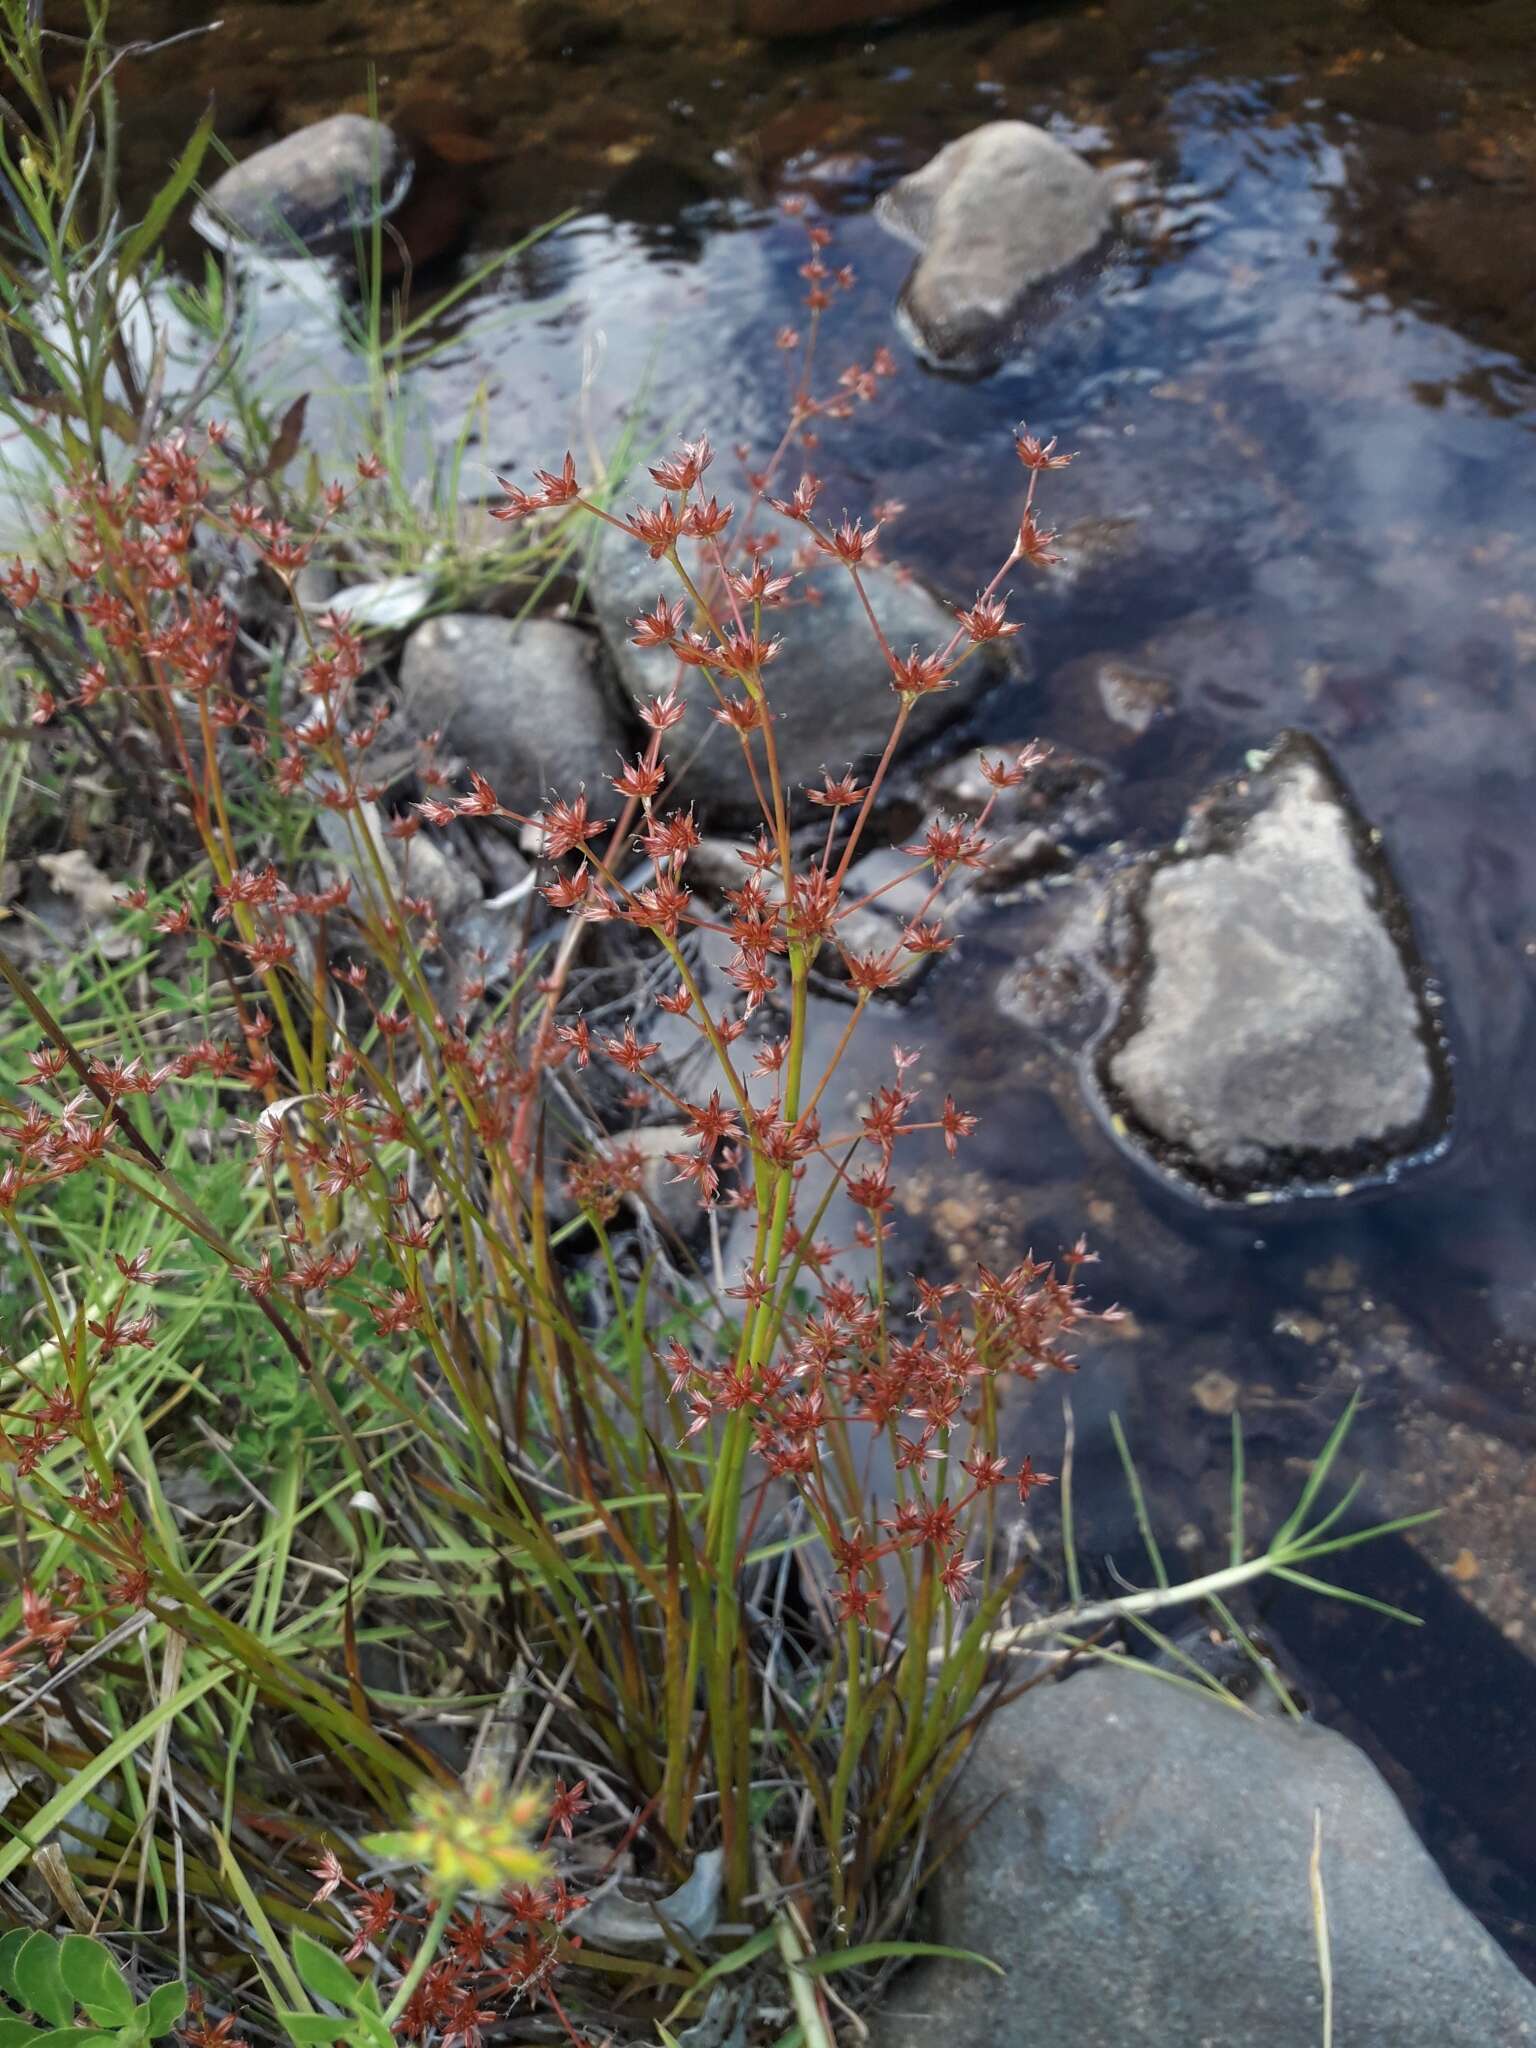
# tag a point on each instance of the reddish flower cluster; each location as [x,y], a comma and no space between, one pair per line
[756,1136]
[50,1620]
[397,1115]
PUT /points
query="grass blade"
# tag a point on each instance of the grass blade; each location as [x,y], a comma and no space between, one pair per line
[1138,1502]
[1296,1578]
[24,1842]
[726,1966]
[1317,1477]
[1068,1545]
[881,1951]
[139,241]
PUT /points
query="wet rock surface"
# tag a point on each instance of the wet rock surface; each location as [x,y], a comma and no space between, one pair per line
[1057,990]
[1274,1032]
[523,702]
[1106,1861]
[995,214]
[831,688]
[316,186]
[1133,699]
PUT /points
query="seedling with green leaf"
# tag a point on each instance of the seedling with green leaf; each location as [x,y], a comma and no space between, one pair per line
[359,2020]
[54,1981]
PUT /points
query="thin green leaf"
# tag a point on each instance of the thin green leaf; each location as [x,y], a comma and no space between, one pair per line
[139,241]
[1317,1477]
[408,331]
[1237,1535]
[1255,1655]
[738,1959]
[1206,1679]
[255,1913]
[1138,1502]
[112,1758]
[1308,1549]
[1296,1578]
[1139,1668]
[880,1951]
[1340,1508]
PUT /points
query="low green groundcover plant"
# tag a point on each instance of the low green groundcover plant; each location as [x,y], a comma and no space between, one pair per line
[54,1982]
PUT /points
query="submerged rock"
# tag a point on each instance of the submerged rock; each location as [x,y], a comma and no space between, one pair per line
[316,186]
[521,701]
[1274,1031]
[1140,1868]
[1034,828]
[1122,700]
[830,688]
[995,214]
[1065,794]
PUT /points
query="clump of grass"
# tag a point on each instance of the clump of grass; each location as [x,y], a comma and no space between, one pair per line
[83,356]
[539,1509]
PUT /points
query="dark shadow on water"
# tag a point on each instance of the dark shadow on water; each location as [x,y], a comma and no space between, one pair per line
[1445,1710]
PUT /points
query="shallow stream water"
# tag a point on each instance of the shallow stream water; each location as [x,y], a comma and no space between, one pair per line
[1303,388]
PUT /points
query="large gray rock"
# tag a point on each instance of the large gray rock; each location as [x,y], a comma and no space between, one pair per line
[316,186]
[995,214]
[829,687]
[524,703]
[1274,1032]
[1141,1871]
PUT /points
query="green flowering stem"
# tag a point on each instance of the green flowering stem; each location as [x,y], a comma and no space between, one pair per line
[422,1962]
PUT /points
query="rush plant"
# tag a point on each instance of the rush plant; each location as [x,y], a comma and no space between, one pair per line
[715,1563]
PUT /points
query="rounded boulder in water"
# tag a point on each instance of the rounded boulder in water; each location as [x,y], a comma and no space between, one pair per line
[1276,1034]
[522,701]
[995,215]
[315,187]
[1147,1848]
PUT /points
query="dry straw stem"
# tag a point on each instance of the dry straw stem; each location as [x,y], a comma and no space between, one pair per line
[1320,1925]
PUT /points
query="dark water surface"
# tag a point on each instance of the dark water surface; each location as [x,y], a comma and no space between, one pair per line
[1303,388]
